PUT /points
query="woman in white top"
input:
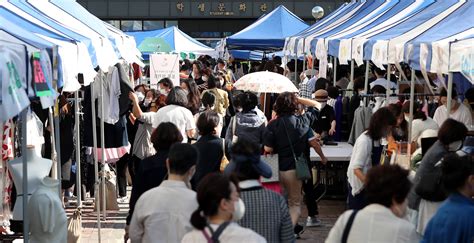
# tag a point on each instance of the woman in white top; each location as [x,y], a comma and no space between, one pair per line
[459,111]
[219,207]
[366,152]
[420,121]
[383,220]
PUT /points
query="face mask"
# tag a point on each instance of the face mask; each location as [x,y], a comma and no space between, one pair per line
[379,99]
[407,118]
[147,102]
[455,146]
[163,92]
[140,96]
[204,78]
[361,92]
[239,210]
[322,105]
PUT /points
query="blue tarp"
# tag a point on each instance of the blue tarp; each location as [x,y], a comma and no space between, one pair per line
[268,32]
[401,6]
[407,25]
[361,13]
[453,24]
[141,35]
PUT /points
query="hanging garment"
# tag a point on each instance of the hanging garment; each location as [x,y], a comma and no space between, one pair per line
[361,122]
[125,88]
[110,94]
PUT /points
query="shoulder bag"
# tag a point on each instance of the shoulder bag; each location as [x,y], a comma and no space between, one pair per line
[347,229]
[301,163]
[430,186]
[224,160]
[214,237]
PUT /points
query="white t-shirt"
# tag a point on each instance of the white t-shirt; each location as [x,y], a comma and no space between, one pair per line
[178,115]
[419,126]
[462,114]
[233,233]
[361,158]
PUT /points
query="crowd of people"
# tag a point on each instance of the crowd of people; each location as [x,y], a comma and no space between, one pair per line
[198,157]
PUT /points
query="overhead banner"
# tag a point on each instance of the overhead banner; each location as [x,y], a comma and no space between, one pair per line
[164,66]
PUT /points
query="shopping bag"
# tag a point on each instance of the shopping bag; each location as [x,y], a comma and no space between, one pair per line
[74,227]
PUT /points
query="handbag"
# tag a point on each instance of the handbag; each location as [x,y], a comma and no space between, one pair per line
[301,163]
[224,160]
[430,186]
[110,191]
[74,227]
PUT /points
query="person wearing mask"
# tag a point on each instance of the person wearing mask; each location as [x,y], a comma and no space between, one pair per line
[454,221]
[249,123]
[184,71]
[380,80]
[219,209]
[459,111]
[175,112]
[209,145]
[380,99]
[222,99]
[451,137]
[162,214]
[333,93]
[366,154]
[194,101]
[222,67]
[421,122]
[325,125]
[290,130]
[383,219]
[153,169]
[266,211]
[165,85]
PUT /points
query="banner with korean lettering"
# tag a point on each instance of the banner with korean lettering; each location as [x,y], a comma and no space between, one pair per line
[164,66]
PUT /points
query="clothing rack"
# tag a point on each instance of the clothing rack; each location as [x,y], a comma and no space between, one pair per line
[398,95]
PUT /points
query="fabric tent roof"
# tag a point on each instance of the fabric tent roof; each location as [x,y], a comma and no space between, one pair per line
[268,32]
[178,40]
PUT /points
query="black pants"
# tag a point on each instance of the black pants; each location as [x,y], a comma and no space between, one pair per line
[310,197]
[356,202]
[132,163]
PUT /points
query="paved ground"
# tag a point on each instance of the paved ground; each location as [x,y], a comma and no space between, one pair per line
[112,228]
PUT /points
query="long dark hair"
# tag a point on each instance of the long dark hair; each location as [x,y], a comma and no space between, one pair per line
[194,102]
[379,122]
[211,190]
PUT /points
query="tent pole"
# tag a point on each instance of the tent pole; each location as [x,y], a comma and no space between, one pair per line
[412,101]
[366,81]
[296,68]
[102,151]
[334,70]
[388,81]
[54,173]
[352,71]
[450,90]
[26,231]
[78,151]
[56,119]
[96,163]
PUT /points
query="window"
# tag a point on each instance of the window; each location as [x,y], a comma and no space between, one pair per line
[131,25]
[153,24]
[170,23]
[115,23]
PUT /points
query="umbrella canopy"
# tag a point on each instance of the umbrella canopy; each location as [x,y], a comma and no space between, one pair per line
[265,82]
[154,44]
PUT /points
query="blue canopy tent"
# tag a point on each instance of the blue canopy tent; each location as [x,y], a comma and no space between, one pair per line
[268,33]
[179,41]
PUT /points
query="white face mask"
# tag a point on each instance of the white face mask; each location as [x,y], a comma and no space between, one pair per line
[163,92]
[204,78]
[239,210]
[322,104]
[140,96]
[379,99]
[407,118]
[147,102]
[455,146]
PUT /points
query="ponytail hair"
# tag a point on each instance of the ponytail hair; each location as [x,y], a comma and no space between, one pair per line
[211,190]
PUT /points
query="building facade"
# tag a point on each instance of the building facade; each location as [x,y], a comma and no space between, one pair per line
[206,20]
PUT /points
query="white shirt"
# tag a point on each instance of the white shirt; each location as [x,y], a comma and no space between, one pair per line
[374,224]
[360,159]
[178,115]
[462,114]
[162,214]
[419,126]
[233,233]
[383,82]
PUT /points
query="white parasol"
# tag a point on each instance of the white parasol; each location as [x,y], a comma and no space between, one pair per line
[265,82]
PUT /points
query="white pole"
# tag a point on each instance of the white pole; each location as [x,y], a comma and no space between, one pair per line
[334,68]
[102,146]
[450,90]
[366,81]
[296,69]
[78,151]
[352,71]
[96,163]
[412,101]
[388,81]
[26,231]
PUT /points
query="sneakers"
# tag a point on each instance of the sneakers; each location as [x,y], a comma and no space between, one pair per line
[298,229]
[313,222]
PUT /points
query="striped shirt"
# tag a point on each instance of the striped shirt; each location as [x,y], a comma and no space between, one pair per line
[266,212]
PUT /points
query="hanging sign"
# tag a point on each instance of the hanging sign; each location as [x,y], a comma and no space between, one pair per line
[39,80]
[13,96]
[164,66]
